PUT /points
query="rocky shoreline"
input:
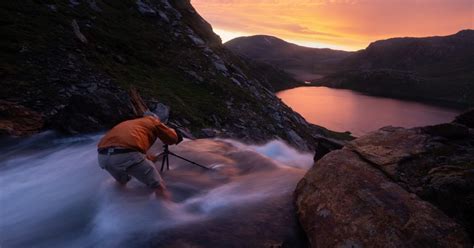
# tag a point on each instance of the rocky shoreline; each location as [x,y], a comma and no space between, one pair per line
[394,187]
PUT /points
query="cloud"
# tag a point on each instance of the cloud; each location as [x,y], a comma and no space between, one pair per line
[351,24]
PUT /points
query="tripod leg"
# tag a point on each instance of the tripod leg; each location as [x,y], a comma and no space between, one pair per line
[165,157]
[187,160]
[168,162]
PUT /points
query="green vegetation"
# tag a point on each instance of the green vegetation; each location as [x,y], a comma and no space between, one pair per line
[33,26]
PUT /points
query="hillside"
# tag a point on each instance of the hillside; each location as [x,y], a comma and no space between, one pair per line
[67,65]
[303,62]
[438,69]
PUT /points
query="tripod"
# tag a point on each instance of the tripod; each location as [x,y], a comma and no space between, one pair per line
[166,152]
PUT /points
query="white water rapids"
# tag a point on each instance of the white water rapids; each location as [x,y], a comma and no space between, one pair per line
[53,194]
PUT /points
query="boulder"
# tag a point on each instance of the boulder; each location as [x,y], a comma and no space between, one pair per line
[326,145]
[466,119]
[345,201]
[451,189]
[388,146]
[18,120]
[448,130]
[432,164]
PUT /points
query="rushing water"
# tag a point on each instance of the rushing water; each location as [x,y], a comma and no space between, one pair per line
[346,110]
[53,194]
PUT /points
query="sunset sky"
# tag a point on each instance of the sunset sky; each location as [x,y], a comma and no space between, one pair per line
[339,24]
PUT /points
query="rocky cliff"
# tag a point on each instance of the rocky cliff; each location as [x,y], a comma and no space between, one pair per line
[435,69]
[67,65]
[394,187]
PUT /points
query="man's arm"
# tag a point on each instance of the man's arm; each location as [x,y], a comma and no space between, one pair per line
[167,135]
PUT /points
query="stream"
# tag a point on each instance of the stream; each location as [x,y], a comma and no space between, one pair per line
[54,194]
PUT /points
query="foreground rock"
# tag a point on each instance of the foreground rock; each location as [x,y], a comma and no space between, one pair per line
[393,188]
[345,202]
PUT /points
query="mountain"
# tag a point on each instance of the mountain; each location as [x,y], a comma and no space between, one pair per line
[67,66]
[438,69]
[303,62]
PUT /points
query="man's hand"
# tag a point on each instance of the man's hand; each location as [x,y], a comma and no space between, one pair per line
[152,158]
[180,137]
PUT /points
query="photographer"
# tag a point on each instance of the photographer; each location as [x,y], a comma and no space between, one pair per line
[122,151]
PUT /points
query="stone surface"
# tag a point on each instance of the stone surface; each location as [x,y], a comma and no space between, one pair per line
[344,201]
[466,118]
[18,120]
[390,145]
[448,130]
[433,164]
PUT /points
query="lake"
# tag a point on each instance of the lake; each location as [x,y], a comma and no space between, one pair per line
[346,110]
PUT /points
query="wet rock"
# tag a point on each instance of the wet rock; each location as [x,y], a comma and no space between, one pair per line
[220,66]
[448,130]
[93,5]
[324,146]
[52,7]
[296,139]
[88,113]
[435,163]
[145,8]
[466,118]
[77,31]
[390,145]
[209,132]
[120,59]
[18,120]
[344,201]
[451,189]
[74,3]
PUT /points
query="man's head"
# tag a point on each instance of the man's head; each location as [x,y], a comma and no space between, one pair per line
[149,113]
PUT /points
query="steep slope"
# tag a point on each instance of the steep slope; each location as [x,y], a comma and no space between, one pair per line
[71,62]
[303,62]
[433,68]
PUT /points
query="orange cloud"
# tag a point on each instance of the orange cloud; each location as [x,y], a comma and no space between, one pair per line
[343,24]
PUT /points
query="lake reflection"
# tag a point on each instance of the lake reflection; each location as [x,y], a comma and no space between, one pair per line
[346,110]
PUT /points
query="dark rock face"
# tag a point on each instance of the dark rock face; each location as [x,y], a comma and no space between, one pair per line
[466,119]
[87,113]
[324,146]
[391,181]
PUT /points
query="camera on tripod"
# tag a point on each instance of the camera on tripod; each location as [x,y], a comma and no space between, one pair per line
[166,160]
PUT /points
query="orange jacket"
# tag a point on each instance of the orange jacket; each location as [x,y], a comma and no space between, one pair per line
[138,134]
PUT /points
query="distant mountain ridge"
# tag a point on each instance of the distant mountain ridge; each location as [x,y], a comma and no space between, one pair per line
[415,54]
[438,69]
[304,63]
